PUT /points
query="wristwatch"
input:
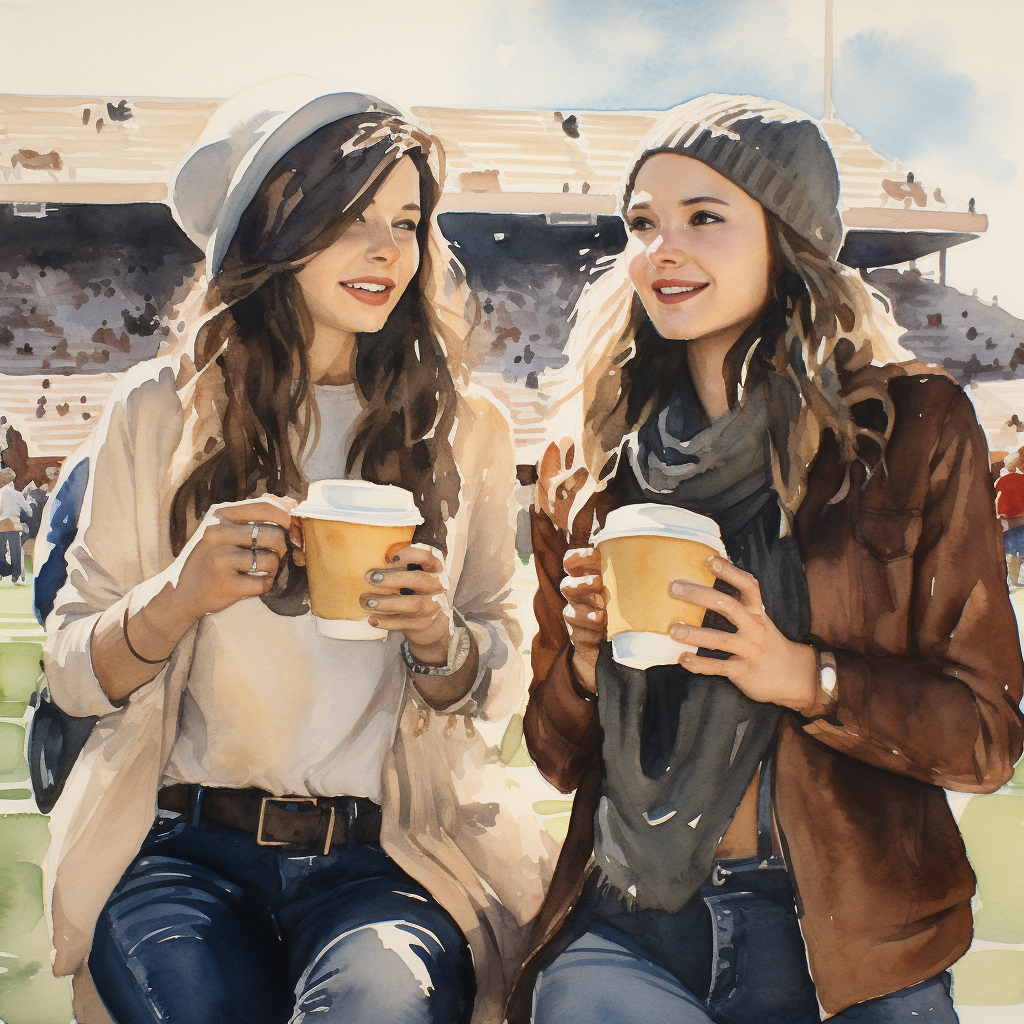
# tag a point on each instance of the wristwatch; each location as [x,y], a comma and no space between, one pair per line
[827,675]
[458,651]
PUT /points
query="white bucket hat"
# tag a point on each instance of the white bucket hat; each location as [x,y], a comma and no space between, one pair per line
[243,140]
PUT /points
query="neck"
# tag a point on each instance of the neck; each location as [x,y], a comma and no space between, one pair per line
[330,357]
[705,358]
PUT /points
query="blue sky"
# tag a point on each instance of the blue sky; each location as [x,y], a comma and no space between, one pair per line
[935,85]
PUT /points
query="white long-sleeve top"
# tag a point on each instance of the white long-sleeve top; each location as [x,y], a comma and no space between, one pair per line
[269,702]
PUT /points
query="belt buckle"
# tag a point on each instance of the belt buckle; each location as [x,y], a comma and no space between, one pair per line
[718,875]
[260,841]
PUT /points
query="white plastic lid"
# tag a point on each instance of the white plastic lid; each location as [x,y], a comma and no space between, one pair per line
[644,650]
[654,520]
[359,501]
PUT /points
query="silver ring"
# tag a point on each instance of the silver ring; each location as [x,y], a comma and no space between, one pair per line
[253,569]
[255,534]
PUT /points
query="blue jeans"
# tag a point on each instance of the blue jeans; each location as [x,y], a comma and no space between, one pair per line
[1013,542]
[207,927]
[604,978]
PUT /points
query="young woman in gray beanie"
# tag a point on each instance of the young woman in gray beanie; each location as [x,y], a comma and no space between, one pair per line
[760,831]
[270,822]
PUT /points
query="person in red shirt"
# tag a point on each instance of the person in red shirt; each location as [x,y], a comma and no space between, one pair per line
[1010,507]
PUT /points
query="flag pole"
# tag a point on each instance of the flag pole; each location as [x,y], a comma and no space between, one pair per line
[830,112]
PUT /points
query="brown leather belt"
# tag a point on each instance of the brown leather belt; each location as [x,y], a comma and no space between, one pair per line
[309,822]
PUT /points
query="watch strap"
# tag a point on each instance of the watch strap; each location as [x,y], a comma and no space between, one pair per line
[827,678]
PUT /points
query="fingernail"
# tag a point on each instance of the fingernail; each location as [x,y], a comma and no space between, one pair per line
[373,621]
[371,603]
[716,564]
[592,616]
[679,632]
[376,577]
[678,587]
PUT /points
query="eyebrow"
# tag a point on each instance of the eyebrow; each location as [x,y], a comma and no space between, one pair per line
[684,202]
[408,206]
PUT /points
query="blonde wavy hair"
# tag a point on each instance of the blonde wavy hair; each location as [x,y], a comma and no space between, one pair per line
[838,348]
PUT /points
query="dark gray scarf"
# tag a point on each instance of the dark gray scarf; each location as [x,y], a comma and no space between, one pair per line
[680,749]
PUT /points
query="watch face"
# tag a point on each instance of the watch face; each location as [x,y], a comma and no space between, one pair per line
[828,679]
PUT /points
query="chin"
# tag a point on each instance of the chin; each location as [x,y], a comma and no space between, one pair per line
[676,330]
[360,324]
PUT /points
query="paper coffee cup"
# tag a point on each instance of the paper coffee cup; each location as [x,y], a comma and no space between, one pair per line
[643,548]
[350,527]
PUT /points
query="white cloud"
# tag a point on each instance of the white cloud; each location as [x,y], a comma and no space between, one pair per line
[981,41]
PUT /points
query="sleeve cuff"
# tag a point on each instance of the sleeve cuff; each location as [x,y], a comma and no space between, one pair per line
[74,662]
[471,701]
[581,691]
[568,705]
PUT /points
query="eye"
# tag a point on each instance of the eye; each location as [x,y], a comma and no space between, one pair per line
[641,224]
[704,217]
[407,225]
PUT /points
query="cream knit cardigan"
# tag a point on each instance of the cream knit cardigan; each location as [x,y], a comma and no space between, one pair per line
[487,869]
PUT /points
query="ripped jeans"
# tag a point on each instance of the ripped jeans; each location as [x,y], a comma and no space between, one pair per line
[207,927]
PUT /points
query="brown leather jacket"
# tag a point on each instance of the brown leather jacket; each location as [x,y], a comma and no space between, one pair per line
[907,585]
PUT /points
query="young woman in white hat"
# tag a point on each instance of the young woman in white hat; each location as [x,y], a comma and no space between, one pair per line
[267,823]
[763,816]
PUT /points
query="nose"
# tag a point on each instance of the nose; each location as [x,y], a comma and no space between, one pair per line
[381,247]
[668,249]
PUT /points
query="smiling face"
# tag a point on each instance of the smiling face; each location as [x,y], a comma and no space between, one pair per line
[355,283]
[698,250]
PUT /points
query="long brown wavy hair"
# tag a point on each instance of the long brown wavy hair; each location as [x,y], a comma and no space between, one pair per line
[258,339]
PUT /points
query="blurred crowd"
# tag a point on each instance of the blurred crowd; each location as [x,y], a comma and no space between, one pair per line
[21,511]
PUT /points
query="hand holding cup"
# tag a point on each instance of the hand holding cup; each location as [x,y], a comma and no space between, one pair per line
[349,529]
[643,547]
[762,662]
[235,553]
[410,594]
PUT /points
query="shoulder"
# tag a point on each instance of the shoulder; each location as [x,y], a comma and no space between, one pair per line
[483,430]
[925,389]
[932,404]
[147,395]
[477,408]
[142,423]
[935,430]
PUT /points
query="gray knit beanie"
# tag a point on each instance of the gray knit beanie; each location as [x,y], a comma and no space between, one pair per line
[776,154]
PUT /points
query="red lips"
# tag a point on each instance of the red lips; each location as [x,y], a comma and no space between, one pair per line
[693,288]
[378,295]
